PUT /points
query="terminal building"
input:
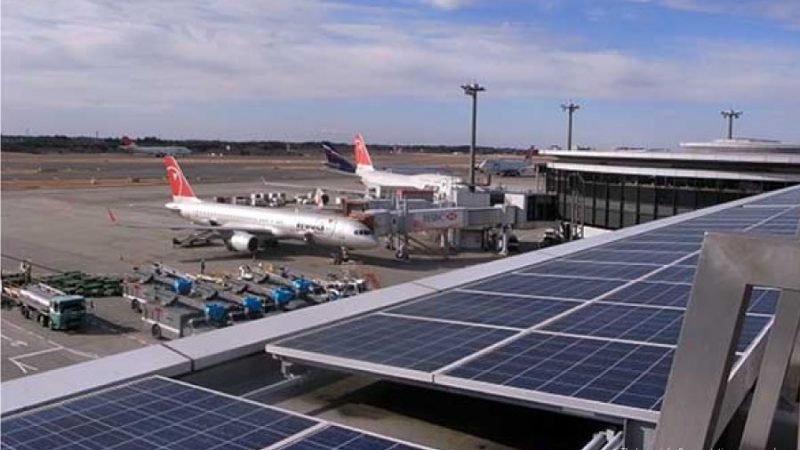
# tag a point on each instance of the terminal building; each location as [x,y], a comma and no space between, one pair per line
[617,189]
[672,333]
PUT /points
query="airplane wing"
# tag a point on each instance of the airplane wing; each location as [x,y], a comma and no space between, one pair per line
[311,188]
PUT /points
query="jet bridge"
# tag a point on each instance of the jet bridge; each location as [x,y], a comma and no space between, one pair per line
[455,223]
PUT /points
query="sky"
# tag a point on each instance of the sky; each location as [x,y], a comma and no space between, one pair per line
[645,72]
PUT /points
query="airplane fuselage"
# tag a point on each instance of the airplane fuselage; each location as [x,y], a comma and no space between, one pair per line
[276,224]
[423,181]
[159,151]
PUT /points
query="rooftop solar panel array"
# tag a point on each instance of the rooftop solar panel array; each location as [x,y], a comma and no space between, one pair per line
[592,328]
[166,414]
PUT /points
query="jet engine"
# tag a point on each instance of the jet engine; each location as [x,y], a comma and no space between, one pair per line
[243,242]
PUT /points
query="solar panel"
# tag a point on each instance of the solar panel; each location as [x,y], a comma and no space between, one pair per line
[591,369]
[790,198]
[671,247]
[640,323]
[675,274]
[666,236]
[626,257]
[403,342]
[591,269]
[339,438]
[785,225]
[647,293]
[762,301]
[154,413]
[519,312]
[546,286]
[167,414]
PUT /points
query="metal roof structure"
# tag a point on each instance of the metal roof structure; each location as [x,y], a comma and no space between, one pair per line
[678,173]
[767,158]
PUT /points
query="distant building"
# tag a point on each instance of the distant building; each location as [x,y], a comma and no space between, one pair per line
[741,145]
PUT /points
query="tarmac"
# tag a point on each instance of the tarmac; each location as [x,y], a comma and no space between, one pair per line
[63,225]
[59,220]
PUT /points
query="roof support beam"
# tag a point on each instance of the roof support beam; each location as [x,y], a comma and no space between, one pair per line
[729,266]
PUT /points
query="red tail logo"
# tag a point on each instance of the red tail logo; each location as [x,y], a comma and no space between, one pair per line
[177,182]
[126,141]
[360,152]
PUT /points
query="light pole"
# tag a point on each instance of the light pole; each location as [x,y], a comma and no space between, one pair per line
[570,108]
[730,115]
[472,90]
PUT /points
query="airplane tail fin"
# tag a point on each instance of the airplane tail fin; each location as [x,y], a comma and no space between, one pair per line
[361,154]
[127,142]
[335,160]
[178,184]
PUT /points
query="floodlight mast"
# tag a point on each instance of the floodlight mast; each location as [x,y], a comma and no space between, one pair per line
[730,115]
[570,108]
[472,90]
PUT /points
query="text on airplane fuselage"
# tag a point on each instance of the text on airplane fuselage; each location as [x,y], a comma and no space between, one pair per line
[310,227]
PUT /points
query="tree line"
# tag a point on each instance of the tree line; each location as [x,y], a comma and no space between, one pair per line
[85,144]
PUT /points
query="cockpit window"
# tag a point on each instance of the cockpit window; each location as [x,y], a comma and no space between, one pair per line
[362,232]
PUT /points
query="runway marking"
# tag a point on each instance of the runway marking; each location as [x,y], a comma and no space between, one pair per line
[25,368]
[40,352]
[14,342]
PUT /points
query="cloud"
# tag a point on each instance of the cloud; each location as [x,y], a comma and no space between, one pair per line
[448,4]
[783,11]
[144,56]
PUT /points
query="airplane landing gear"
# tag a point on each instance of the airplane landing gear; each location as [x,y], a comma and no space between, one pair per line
[343,256]
[402,250]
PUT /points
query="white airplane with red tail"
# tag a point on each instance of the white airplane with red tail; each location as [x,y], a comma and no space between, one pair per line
[129,144]
[246,228]
[375,179]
